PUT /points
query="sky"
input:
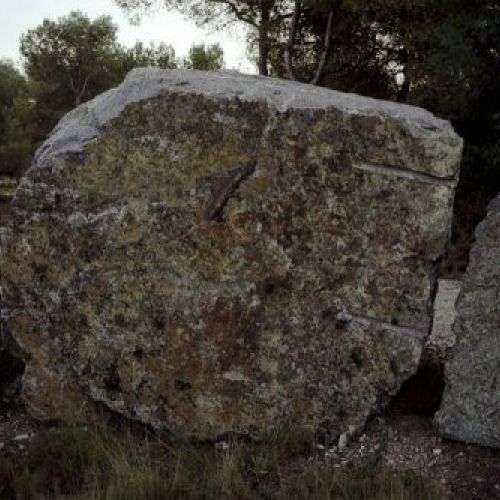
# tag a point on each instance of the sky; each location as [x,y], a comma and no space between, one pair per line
[17,16]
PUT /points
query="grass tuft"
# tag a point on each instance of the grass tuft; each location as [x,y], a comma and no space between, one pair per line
[98,464]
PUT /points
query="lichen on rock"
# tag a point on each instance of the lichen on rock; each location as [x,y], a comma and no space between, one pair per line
[210,252]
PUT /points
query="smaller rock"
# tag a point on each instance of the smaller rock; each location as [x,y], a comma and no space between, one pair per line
[21,437]
[222,445]
[343,440]
[442,337]
[437,451]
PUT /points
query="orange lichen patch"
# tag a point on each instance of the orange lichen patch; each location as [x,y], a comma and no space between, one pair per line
[66,403]
[233,328]
[23,322]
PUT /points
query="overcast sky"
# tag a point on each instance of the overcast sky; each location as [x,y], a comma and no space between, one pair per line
[17,16]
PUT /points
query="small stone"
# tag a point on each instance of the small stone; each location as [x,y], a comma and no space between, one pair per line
[320,447]
[222,445]
[21,437]
[437,451]
[343,440]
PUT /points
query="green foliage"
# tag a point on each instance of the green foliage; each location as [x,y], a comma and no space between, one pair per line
[12,85]
[74,56]
[162,56]
[206,58]
[67,62]
[15,158]
[15,143]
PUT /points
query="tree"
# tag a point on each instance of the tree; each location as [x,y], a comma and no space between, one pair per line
[73,59]
[290,46]
[74,56]
[15,147]
[162,56]
[262,16]
[12,85]
[206,58]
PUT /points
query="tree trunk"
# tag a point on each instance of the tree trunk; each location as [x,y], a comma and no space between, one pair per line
[290,47]
[404,91]
[265,7]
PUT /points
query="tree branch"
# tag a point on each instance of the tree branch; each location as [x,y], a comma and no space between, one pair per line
[238,13]
[289,49]
[326,50]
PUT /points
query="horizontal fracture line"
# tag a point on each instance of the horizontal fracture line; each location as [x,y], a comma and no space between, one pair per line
[366,321]
[405,173]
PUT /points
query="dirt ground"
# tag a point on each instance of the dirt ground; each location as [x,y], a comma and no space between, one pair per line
[465,472]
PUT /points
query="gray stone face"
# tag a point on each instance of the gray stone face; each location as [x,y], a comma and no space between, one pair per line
[470,410]
[442,337]
[210,252]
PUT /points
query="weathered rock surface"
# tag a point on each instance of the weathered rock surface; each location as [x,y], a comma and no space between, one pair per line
[442,338]
[470,410]
[210,252]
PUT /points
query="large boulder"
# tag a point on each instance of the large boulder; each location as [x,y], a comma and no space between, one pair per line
[209,252]
[470,410]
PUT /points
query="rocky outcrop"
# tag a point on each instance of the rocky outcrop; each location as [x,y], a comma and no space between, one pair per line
[209,252]
[470,410]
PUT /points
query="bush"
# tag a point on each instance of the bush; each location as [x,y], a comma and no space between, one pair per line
[15,159]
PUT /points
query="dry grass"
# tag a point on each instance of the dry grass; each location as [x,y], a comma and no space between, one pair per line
[80,463]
